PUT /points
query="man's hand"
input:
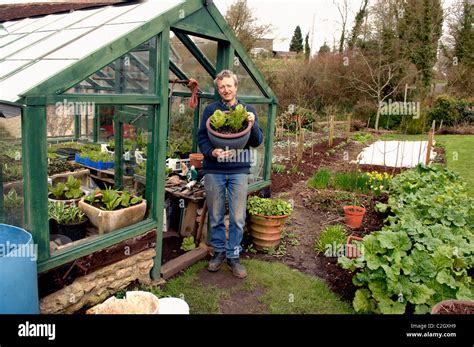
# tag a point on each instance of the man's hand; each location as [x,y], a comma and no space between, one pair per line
[221,154]
[250,117]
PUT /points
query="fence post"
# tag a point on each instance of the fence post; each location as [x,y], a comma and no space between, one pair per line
[430,143]
[349,119]
[331,130]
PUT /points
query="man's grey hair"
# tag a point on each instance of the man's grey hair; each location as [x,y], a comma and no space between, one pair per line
[226,73]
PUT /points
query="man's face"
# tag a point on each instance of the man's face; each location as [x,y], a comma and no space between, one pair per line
[227,89]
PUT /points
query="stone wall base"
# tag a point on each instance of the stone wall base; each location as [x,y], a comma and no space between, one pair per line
[91,289]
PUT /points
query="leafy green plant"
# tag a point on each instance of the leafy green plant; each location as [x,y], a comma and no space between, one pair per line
[11,199]
[111,199]
[320,179]
[233,119]
[268,207]
[63,214]
[334,236]
[97,155]
[188,243]
[218,119]
[424,255]
[237,117]
[362,137]
[69,190]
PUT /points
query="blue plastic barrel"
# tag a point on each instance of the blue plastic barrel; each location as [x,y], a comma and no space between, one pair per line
[18,274]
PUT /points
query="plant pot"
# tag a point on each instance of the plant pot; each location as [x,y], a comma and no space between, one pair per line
[228,141]
[266,230]
[453,307]
[67,202]
[107,221]
[352,250]
[196,160]
[73,232]
[354,216]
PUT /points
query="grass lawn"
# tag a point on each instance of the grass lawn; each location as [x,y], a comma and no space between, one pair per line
[459,153]
[281,290]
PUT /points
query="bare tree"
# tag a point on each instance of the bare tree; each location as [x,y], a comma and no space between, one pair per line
[343,12]
[375,76]
[240,18]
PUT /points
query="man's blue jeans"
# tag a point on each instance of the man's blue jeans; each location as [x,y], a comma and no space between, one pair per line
[235,187]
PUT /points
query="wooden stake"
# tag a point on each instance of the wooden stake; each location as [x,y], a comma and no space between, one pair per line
[331,130]
[349,116]
[430,143]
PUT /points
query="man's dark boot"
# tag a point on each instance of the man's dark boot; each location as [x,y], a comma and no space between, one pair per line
[216,261]
[238,270]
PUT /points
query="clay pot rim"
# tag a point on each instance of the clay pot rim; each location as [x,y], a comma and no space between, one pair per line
[228,136]
[270,217]
[440,304]
[359,210]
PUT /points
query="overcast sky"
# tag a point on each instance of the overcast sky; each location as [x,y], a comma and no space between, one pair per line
[285,15]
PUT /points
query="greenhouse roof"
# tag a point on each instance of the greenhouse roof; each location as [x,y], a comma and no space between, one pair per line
[35,49]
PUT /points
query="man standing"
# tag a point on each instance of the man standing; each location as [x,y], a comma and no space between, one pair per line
[227,175]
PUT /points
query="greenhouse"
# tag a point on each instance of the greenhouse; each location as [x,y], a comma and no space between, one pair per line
[123,86]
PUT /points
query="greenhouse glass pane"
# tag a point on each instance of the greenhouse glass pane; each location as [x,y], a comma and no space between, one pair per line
[48,44]
[130,74]
[65,21]
[92,41]
[11,173]
[146,11]
[181,56]
[102,17]
[247,86]
[12,87]
[95,175]
[21,43]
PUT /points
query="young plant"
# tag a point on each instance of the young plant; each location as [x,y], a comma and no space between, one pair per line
[236,118]
[65,215]
[188,244]
[320,179]
[111,199]
[278,168]
[218,119]
[268,207]
[233,119]
[12,200]
[332,237]
[69,190]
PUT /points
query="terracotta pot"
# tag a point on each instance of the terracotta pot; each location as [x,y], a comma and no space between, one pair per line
[196,160]
[230,141]
[352,251]
[354,216]
[453,307]
[266,230]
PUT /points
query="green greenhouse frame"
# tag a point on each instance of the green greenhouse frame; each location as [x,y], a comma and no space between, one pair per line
[202,19]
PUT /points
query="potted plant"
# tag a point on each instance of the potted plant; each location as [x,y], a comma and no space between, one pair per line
[95,159]
[267,217]
[354,214]
[69,192]
[66,220]
[110,209]
[229,129]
